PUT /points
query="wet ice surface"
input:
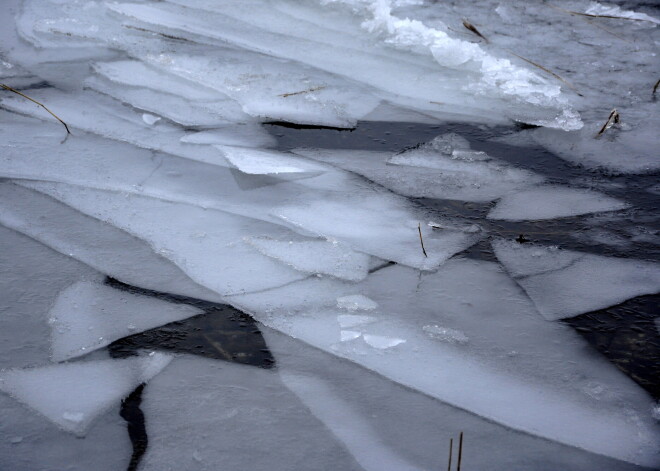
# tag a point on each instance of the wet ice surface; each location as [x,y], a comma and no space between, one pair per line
[323,220]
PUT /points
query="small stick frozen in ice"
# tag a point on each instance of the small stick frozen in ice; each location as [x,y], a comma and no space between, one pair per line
[611,120]
[421,241]
[451,450]
[284,95]
[460,452]
[655,88]
[35,101]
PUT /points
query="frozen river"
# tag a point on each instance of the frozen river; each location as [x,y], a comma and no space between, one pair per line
[314,235]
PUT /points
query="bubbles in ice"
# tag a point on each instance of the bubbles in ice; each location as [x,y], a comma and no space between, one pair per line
[445,334]
[356,302]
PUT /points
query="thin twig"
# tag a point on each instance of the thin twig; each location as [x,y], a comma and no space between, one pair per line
[441,103]
[460,452]
[284,95]
[35,101]
[611,120]
[558,77]
[451,451]
[473,28]
[655,88]
[421,241]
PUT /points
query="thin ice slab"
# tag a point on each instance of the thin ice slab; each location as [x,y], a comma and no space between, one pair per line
[550,202]
[88,316]
[469,328]
[72,395]
[565,283]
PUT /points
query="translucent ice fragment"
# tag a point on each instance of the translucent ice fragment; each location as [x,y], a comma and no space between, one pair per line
[551,202]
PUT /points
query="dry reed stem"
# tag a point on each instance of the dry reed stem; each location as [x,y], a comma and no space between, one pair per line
[35,101]
[611,120]
[284,95]
[451,451]
[421,241]
[558,77]
[473,28]
[460,452]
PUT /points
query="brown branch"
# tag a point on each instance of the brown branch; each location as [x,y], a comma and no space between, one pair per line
[35,101]
[473,28]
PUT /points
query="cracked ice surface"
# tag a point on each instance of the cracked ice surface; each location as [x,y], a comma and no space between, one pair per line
[388,335]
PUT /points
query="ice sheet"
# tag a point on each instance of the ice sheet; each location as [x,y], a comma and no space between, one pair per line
[88,316]
[379,226]
[207,245]
[94,243]
[565,283]
[73,395]
[539,375]
[550,202]
[428,173]
[266,162]
[378,420]
[32,442]
[33,276]
[207,415]
[316,256]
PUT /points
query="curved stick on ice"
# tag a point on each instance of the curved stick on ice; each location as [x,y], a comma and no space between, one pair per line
[655,88]
[421,241]
[35,101]
[473,28]
[611,120]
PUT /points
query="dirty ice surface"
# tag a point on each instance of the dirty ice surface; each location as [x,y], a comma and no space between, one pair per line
[410,284]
